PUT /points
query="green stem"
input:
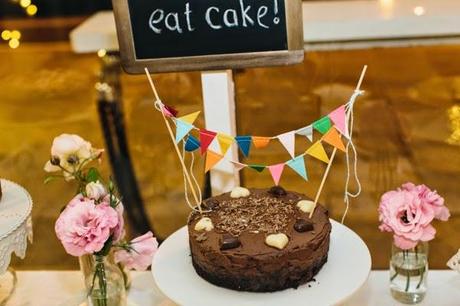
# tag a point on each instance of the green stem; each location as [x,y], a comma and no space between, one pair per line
[422,274]
[408,275]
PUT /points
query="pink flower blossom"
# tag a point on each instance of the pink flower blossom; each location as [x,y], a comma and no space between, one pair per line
[139,253]
[84,227]
[408,213]
[430,198]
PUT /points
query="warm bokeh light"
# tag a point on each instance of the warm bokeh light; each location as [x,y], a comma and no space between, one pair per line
[15,34]
[101,53]
[13,43]
[25,3]
[31,10]
[386,7]
[454,118]
[419,10]
[6,34]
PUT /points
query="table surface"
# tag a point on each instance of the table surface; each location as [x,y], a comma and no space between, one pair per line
[37,288]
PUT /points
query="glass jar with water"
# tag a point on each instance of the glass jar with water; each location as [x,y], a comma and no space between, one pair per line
[408,273]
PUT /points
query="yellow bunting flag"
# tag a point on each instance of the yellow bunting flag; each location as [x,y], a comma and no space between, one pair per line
[212,158]
[332,137]
[317,151]
[190,118]
[260,142]
[225,141]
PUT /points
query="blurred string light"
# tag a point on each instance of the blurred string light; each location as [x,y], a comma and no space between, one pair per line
[101,52]
[419,11]
[12,37]
[454,118]
[386,8]
[30,8]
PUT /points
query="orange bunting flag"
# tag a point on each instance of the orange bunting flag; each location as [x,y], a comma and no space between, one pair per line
[225,142]
[212,158]
[332,137]
[260,142]
[190,118]
[317,151]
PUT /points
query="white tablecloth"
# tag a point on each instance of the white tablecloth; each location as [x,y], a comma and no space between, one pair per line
[49,288]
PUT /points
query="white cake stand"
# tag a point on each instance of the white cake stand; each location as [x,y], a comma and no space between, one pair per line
[347,269]
[15,229]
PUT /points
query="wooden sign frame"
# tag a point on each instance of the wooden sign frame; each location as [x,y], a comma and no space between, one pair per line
[294,53]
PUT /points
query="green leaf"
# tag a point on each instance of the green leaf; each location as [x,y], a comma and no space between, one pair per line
[51,178]
[93,175]
[106,249]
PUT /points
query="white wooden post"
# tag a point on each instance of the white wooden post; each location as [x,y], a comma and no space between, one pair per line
[219,113]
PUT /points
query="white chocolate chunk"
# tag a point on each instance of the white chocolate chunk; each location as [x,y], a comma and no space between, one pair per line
[239,192]
[278,241]
[306,205]
[204,224]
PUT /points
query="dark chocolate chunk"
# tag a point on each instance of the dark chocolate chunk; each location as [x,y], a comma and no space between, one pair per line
[302,225]
[211,204]
[277,191]
[229,242]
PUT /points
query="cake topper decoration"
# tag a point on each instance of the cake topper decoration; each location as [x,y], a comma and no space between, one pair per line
[332,127]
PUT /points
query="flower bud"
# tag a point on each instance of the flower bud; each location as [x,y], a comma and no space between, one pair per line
[55,161]
[95,190]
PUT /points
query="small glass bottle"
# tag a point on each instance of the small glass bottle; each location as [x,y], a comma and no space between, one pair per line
[408,273]
[105,284]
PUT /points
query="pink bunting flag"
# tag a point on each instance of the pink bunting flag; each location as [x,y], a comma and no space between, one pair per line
[276,171]
[339,117]
[288,141]
[238,166]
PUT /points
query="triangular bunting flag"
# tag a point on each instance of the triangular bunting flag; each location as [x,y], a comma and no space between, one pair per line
[276,171]
[260,142]
[169,111]
[206,138]
[307,132]
[244,142]
[258,168]
[322,125]
[288,141]
[212,158]
[192,144]
[298,165]
[338,116]
[333,138]
[317,151]
[225,141]
[238,166]
[182,129]
[190,118]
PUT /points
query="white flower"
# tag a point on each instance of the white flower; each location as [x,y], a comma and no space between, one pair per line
[70,152]
[95,190]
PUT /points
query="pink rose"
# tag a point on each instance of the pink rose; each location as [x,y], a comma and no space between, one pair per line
[403,213]
[139,252]
[431,198]
[83,227]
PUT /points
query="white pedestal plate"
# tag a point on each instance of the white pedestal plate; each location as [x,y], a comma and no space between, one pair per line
[15,229]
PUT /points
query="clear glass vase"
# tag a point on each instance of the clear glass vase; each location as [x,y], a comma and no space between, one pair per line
[105,284]
[408,273]
[86,263]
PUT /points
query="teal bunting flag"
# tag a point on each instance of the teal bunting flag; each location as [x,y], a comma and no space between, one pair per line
[192,144]
[258,168]
[298,165]
[322,125]
[244,142]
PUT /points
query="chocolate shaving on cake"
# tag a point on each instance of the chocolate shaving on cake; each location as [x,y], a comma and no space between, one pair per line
[263,214]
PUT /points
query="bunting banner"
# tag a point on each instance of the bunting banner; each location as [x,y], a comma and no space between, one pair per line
[331,128]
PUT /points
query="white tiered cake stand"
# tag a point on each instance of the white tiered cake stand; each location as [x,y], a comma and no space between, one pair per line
[15,229]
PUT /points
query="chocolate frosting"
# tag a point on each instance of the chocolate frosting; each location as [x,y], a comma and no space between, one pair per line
[253,265]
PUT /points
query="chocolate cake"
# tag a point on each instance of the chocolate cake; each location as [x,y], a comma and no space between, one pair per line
[259,240]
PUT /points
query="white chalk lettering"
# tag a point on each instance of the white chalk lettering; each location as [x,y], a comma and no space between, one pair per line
[155,20]
[245,15]
[208,18]
[230,23]
[187,13]
[175,26]
[261,12]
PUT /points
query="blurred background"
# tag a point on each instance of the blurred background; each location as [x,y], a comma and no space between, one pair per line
[407,125]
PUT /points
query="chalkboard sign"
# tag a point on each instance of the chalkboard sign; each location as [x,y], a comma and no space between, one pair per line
[180,35]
